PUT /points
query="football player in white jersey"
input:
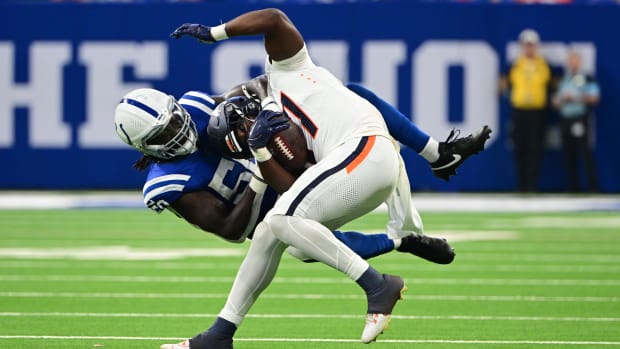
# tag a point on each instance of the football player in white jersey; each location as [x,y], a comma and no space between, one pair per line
[358,167]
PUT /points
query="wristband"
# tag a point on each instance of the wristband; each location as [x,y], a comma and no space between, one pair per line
[269,104]
[261,154]
[257,185]
[219,32]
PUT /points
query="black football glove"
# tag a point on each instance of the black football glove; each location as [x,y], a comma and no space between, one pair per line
[267,124]
[198,31]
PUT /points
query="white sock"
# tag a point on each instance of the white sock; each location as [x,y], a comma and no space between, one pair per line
[397,243]
[431,150]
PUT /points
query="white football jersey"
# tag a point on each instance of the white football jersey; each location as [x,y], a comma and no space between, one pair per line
[326,110]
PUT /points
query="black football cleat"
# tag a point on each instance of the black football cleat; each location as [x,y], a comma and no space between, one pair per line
[436,250]
[454,151]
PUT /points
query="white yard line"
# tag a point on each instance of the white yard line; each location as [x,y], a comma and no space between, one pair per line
[610,258]
[318,316]
[306,296]
[504,268]
[123,252]
[89,253]
[307,280]
[337,340]
[120,252]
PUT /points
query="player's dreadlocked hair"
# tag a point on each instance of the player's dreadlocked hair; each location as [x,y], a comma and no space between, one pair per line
[144,162]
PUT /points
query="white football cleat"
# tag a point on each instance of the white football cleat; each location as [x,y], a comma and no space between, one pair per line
[375,325]
[182,345]
[380,306]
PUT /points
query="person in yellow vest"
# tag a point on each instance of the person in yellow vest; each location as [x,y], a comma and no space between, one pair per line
[527,85]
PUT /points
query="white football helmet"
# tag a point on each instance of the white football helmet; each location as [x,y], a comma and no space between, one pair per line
[155,124]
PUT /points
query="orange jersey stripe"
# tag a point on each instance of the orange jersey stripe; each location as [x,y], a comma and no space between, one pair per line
[363,154]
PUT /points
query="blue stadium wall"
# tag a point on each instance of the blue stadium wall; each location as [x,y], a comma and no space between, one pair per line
[63,67]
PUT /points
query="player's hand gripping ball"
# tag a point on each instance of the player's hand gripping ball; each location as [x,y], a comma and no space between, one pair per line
[283,139]
[289,149]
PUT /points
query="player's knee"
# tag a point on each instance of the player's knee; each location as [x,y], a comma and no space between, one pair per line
[263,238]
[261,229]
[274,223]
[279,226]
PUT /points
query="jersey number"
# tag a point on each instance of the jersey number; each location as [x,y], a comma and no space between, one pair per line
[157,206]
[297,112]
[230,179]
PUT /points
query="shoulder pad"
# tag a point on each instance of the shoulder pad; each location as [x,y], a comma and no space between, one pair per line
[198,100]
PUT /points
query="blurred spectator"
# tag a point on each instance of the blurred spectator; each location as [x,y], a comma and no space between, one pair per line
[577,94]
[526,85]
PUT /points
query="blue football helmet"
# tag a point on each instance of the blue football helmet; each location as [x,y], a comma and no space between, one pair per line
[230,124]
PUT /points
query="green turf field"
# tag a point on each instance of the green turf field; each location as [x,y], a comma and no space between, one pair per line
[132,279]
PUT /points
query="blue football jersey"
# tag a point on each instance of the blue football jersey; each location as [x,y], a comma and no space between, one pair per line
[204,170]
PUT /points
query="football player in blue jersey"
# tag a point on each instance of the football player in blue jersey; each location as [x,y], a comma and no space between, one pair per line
[207,185]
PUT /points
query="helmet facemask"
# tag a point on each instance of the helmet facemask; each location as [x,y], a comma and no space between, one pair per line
[231,124]
[173,135]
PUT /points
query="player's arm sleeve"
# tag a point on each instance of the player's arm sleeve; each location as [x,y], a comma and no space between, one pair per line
[160,192]
[200,106]
[398,124]
[198,102]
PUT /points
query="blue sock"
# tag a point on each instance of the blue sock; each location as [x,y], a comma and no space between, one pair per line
[370,281]
[398,124]
[219,335]
[366,245]
[223,327]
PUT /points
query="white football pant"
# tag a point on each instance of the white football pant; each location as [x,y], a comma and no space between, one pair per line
[351,181]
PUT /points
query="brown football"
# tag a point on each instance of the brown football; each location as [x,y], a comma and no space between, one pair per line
[289,149]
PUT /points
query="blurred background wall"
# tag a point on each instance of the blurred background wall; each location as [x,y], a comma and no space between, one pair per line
[65,65]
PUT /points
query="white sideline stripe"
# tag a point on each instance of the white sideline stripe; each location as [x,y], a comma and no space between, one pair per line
[425,202]
[459,298]
[318,316]
[332,340]
[309,280]
[570,222]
